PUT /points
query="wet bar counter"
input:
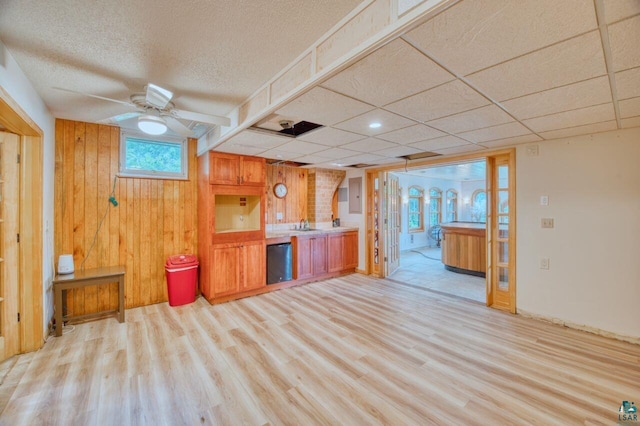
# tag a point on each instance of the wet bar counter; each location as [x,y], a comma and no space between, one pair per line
[464,247]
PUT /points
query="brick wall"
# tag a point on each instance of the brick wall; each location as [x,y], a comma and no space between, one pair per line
[322,184]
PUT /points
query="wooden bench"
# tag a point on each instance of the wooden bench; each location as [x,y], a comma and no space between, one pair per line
[79,279]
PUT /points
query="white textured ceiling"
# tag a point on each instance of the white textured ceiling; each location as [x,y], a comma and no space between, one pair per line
[482,74]
[212,53]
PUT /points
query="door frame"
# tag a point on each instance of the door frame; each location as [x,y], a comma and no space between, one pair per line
[510,153]
[15,120]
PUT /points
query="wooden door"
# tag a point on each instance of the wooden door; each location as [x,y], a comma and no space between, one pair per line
[302,253]
[253,171]
[335,255]
[224,169]
[319,256]
[224,278]
[391,224]
[253,265]
[501,285]
[350,250]
[9,250]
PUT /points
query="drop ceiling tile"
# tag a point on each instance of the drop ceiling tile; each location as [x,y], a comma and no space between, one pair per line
[411,134]
[330,136]
[258,140]
[578,117]
[581,130]
[450,98]
[361,158]
[323,106]
[369,145]
[473,35]
[311,159]
[301,147]
[279,154]
[627,123]
[336,153]
[398,151]
[628,83]
[616,10]
[591,92]
[478,118]
[512,141]
[573,60]
[239,149]
[393,72]
[388,120]
[624,38]
[460,149]
[439,143]
[629,107]
[501,131]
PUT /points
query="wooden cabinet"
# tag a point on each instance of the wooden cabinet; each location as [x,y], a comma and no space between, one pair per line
[310,254]
[231,240]
[235,268]
[231,169]
[343,251]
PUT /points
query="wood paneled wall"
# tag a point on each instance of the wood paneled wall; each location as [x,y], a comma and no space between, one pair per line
[294,206]
[154,218]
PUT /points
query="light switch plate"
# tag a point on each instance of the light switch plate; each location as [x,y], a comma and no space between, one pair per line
[279,216]
[544,200]
[532,151]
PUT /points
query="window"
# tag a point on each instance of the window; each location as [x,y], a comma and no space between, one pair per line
[479,206]
[160,157]
[416,200]
[452,205]
[435,206]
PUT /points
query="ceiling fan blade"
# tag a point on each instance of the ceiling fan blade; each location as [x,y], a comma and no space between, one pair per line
[117,119]
[202,118]
[158,96]
[177,126]
[129,104]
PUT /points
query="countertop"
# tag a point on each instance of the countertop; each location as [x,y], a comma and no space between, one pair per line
[294,232]
[464,225]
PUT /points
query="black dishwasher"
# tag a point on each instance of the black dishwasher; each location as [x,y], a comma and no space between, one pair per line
[278,263]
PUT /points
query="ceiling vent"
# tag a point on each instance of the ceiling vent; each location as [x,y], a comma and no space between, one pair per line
[285,125]
[419,155]
[361,165]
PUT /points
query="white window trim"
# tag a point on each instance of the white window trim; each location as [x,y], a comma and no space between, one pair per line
[150,174]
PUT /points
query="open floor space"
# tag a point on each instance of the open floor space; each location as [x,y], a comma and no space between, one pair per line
[352,350]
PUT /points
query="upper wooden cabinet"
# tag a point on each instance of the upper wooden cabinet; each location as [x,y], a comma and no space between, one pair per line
[232,169]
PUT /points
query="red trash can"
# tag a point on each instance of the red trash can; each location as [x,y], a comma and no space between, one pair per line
[182,278]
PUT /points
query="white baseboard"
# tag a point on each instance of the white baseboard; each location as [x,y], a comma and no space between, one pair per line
[582,327]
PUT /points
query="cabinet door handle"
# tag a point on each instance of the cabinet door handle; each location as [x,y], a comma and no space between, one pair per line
[241,179]
[237,179]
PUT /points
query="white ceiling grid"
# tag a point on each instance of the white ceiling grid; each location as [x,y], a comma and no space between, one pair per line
[481,74]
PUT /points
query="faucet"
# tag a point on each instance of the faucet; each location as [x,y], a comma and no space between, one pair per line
[301,224]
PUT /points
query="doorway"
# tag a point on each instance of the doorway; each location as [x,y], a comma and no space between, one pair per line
[455,228]
[22,307]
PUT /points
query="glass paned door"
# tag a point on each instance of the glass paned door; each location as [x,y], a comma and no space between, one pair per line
[500,207]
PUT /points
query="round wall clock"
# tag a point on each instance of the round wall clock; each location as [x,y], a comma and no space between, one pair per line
[280,190]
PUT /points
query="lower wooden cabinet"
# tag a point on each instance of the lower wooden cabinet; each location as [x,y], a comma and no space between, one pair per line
[343,251]
[310,254]
[236,268]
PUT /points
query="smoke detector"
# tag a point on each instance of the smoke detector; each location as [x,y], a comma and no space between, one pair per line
[286,124]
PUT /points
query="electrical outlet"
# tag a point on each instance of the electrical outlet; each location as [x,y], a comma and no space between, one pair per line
[546,222]
[544,263]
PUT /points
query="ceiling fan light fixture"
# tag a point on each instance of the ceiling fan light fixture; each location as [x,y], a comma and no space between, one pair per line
[152,125]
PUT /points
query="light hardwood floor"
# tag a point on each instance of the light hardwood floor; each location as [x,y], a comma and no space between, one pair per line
[353,350]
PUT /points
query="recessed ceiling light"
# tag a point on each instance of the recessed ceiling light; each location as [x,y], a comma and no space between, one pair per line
[278,156]
[375,125]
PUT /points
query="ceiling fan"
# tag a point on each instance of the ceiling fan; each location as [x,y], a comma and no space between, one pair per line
[156,113]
